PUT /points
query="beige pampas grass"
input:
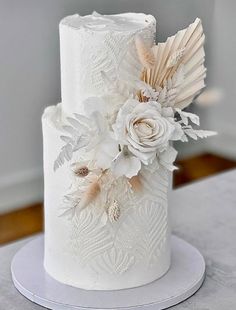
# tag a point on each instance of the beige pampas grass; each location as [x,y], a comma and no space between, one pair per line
[90,194]
[144,52]
[136,184]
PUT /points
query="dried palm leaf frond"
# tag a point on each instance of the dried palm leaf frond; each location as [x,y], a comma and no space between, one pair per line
[183,49]
[175,58]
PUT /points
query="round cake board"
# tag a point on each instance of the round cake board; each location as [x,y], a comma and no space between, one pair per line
[183,279]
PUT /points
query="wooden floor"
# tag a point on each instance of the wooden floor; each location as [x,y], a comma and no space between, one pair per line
[28,221]
[195,168]
[21,223]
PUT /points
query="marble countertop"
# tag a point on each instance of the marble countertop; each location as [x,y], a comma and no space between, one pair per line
[203,213]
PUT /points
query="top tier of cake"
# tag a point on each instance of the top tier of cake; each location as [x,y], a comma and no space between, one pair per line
[97,43]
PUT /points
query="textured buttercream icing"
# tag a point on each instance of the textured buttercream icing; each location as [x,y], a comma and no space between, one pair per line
[84,252]
[125,23]
[93,44]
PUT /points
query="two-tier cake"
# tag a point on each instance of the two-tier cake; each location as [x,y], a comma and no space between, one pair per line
[108,153]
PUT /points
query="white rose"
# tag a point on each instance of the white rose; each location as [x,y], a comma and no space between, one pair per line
[146,128]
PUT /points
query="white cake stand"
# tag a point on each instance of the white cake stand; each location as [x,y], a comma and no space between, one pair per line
[184,278]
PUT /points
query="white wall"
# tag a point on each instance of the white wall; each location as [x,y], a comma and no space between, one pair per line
[30,78]
[222,117]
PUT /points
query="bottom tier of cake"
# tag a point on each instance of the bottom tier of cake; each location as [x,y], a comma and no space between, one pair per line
[88,252]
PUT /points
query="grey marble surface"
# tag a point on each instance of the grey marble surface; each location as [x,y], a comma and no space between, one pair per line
[203,213]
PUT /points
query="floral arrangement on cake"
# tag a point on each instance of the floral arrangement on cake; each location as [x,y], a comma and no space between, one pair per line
[129,130]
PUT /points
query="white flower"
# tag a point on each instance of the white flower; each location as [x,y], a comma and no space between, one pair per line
[103,141]
[125,164]
[146,128]
[106,151]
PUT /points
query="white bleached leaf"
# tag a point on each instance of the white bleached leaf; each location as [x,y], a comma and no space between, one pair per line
[205,133]
[147,91]
[65,154]
[80,142]
[76,124]
[184,119]
[195,134]
[186,115]
[85,132]
[82,119]
[68,152]
[191,133]
[71,130]
[184,138]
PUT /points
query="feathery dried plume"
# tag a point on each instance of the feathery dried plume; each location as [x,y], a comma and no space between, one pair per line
[136,184]
[145,53]
[113,211]
[90,194]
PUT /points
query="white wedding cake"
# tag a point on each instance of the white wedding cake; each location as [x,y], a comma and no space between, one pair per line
[108,155]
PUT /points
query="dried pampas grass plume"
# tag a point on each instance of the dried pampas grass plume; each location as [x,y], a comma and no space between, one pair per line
[90,194]
[136,184]
[145,53]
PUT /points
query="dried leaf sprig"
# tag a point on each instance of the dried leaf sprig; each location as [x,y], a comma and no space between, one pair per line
[113,211]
